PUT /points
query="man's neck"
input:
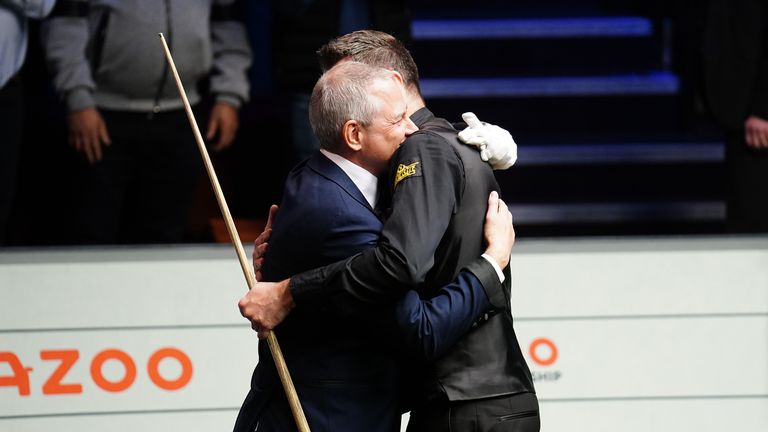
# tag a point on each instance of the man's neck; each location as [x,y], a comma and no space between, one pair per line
[414,100]
[353,157]
[365,181]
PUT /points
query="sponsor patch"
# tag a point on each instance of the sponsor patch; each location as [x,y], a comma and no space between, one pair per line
[404,171]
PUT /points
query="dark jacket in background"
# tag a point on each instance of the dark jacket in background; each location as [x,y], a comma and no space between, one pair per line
[301,27]
[736,83]
[736,60]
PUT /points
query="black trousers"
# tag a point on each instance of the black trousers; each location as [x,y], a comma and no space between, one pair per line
[11,126]
[142,189]
[747,170]
[513,413]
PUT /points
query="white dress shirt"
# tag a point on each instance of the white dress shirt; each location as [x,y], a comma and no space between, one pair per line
[366,182]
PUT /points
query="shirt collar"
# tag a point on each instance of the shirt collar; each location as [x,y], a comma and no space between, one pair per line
[421,116]
[362,178]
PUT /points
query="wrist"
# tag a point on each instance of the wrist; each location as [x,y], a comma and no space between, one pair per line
[496,267]
[286,295]
[79,99]
[229,99]
[501,257]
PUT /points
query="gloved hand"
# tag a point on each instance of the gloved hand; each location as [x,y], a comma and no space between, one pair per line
[496,144]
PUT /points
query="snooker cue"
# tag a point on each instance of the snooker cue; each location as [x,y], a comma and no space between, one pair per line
[274,347]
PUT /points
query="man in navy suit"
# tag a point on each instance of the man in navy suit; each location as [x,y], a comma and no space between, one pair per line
[438,188]
[346,366]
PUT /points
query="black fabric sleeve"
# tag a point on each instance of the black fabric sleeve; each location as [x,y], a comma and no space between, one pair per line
[498,296]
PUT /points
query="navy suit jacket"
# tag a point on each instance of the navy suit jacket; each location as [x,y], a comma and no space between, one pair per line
[346,367]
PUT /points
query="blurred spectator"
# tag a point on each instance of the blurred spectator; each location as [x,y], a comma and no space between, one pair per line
[125,115]
[300,28]
[13,50]
[736,80]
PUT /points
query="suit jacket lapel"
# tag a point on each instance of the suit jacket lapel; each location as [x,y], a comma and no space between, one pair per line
[326,168]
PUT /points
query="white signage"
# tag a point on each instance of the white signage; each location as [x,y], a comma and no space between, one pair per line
[123,340]
[620,335]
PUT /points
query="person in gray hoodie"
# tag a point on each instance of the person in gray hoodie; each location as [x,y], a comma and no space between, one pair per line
[125,114]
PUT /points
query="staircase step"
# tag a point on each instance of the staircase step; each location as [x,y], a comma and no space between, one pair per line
[460,9]
[620,153]
[618,212]
[572,118]
[608,183]
[537,57]
[516,46]
[538,28]
[655,83]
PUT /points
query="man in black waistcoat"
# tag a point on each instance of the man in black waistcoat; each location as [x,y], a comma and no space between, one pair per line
[438,196]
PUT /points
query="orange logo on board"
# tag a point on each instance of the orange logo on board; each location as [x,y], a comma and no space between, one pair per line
[55,383]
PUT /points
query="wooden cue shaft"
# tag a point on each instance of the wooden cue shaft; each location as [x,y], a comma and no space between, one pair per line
[274,347]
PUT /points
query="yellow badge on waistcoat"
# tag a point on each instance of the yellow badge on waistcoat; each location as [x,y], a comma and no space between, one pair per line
[405,171]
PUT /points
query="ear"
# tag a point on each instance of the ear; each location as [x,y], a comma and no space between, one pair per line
[352,133]
[398,77]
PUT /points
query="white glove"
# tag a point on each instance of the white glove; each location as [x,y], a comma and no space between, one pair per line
[496,144]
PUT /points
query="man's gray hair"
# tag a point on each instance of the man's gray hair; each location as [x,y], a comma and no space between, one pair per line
[340,95]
